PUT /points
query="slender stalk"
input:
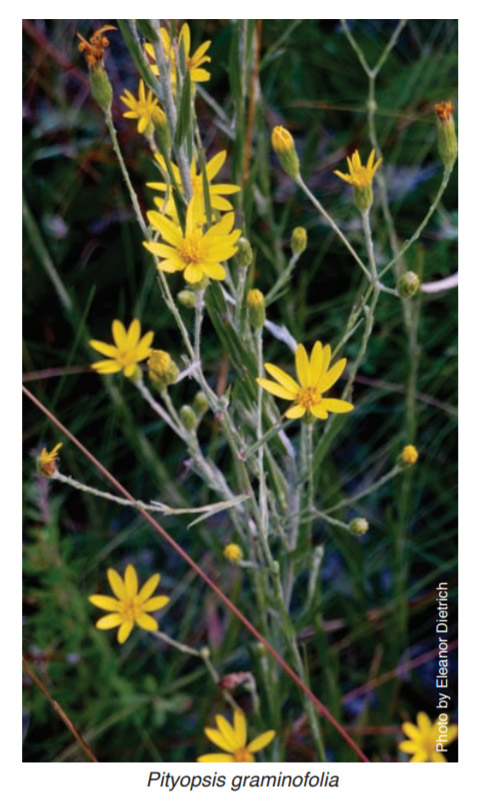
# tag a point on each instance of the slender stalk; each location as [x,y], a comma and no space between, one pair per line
[264,510]
[333,225]
[203,654]
[133,195]
[362,494]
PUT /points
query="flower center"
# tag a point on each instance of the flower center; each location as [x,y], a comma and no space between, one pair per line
[243,755]
[308,397]
[191,248]
[131,608]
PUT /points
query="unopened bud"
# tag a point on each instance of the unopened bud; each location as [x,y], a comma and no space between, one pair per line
[298,240]
[46,461]
[186,298]
[284,146]
[447,141]
[358,526]
[162,369]
[363,197]
[244,253]
[201,405]
[101,87]
[409,456]
[408,284]
[189,418]
[233,553]
[256,306]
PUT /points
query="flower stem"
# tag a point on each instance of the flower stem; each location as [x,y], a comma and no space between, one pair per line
[133,196]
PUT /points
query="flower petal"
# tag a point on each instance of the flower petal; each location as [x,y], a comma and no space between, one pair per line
[217,757]
[320,410]
[133,334]
[424,723]
[409,747]
[105,602]
[193,274]
[410,730]
[316,363]
[295,412]
[148,587]
[332,375]
[109,621]
[261,741]
[282,377]
[218,738]
[106,366]
[125,631]
[118,333]
[337,405]
[212,270]
[228,733]
[240,727]
[302,366]
[215,164]
[116,583]
[276,389]
[146,622]
[155,603]
[103,348]
[131,582]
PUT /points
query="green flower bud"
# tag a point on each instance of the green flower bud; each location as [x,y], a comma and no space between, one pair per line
[363,197]
[298,240]
[447,141]
[244,253]
[101,87]
[257,308]
[201,405]
[358,526]
[284,146]
[408,284]
[186,298]
[189,418]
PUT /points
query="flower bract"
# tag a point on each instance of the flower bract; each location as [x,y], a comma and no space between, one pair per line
[216,191]
[129,349]
[193,62]
[130,605]
[196,253]
[232,739]
[359,176]
[144,108]
[422,740]
[315,377]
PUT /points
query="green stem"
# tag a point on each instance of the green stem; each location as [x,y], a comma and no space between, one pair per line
[333,225]
[133,196]
[352,499]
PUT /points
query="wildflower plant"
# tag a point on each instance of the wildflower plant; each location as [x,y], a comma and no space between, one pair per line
[253,370]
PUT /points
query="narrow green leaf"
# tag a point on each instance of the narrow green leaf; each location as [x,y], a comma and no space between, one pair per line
[184,120]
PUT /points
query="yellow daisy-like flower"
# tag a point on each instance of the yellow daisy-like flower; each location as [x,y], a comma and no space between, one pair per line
[194,62]
[315,377]
[145,108]
[359,176]
[422,740]
[47,459]
[215,190]
[131,605]
[233,739]
[194,252]
[129,349]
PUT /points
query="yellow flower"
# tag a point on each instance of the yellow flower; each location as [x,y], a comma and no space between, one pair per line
[145,108]
[409,455]
[315,377]
[444,111]
[233,740]
[284,146]
[197,254]
[47,459]
[127,351]
[93,50]
[215,190]
[233,553]
[422,740]
[131,605]
[193,63]
[359,176]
